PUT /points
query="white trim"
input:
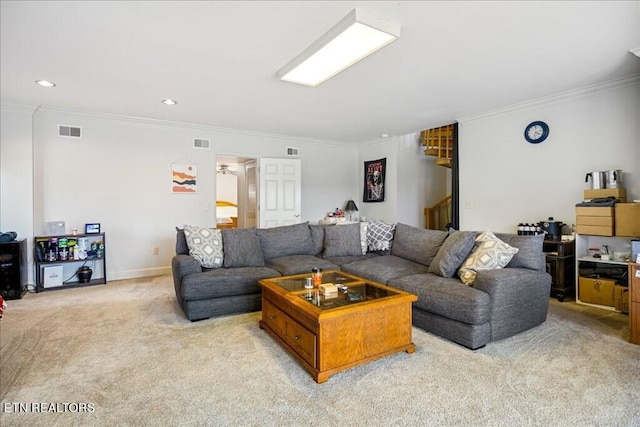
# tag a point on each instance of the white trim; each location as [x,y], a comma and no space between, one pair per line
[138,273]
[17,108]
[193,126]
[562,96]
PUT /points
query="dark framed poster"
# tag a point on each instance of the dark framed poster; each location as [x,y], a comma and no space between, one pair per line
[374,172]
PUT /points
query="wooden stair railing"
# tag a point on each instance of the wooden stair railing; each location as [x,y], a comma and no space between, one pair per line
[439,142]
[438,216]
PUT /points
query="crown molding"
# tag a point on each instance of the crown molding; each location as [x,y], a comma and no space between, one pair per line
[17,108]
[191,126]
[633,80]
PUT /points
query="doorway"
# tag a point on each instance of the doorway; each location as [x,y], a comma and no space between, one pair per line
[236,192]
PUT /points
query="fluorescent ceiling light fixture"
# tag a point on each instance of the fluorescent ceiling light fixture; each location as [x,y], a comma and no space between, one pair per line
[355,37]
[169,101]
[45,83]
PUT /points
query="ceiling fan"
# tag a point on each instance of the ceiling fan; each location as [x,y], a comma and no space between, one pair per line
[224,170]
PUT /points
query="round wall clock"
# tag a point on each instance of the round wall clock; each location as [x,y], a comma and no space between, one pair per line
[536,132]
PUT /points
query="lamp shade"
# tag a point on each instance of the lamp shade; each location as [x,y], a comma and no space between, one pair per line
[351,206]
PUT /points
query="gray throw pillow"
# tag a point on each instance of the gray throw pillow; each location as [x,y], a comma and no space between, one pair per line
[530,253]
[241,248]
[317,237]
[286,240]
[455,249]
[342,240]
[417,244]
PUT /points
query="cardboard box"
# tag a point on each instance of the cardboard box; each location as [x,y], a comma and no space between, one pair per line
[618,193]
[595,230]
[596,291]
[606,221]
[621,298]
[52,276]
[594,211]
[627,219]
[595,220]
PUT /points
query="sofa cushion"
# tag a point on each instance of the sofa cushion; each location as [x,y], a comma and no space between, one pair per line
[342,240]
[241,248]
[417,244]
[298,264]
[447,297]
[205,245]
[379,235]
[286,240]
[489,253]
[181,242]
[530,253]
[383,268]
[224,282]
[317,237]
[341,260]
[452,253]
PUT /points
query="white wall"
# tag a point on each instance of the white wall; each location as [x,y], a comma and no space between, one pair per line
[504,180]
[118,174]
[413,180]
[16,173]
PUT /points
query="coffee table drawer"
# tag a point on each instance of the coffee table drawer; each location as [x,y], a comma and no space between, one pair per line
[275,318]
[299,338]
[302,341]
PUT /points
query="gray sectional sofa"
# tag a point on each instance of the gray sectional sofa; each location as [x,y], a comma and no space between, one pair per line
[501,302]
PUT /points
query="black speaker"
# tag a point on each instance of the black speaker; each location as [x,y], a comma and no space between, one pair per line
[13,269]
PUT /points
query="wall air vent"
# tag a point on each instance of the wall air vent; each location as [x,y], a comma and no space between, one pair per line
[200,143]
[292,151]
[69,131]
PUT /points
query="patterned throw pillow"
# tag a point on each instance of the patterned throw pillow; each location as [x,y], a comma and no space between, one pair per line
[489,253]
[205,245]
[379,236]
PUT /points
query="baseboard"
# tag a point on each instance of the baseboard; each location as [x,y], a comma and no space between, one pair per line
[137,274]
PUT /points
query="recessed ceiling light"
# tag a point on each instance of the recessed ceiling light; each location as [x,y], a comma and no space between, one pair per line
[385,135]
[169,102]
[45,83]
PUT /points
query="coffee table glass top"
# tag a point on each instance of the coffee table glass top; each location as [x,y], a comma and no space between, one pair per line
[357,290]
[296,283]
[356,293]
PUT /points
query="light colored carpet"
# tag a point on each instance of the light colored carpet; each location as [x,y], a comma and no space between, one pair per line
[126,350]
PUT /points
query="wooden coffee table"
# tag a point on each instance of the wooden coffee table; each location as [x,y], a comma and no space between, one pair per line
[330,334]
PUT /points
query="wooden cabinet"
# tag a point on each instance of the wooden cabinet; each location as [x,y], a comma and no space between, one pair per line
[560,257]
[634,303]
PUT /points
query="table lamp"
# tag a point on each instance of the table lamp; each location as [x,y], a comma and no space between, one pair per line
[350,208]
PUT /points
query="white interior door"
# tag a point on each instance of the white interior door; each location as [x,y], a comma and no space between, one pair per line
[280,192]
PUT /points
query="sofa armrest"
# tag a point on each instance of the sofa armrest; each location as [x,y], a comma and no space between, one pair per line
[505,284]
[519,298]
[183,265]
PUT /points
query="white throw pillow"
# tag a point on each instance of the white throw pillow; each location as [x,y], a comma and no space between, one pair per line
[363,237]
[489,253]
[205,245]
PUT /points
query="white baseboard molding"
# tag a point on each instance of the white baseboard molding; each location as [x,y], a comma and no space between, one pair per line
[136,274]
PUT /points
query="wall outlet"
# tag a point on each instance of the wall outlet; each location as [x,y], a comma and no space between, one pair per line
[156,250]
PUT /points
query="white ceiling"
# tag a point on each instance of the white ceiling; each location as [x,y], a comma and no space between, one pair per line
[219,60]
